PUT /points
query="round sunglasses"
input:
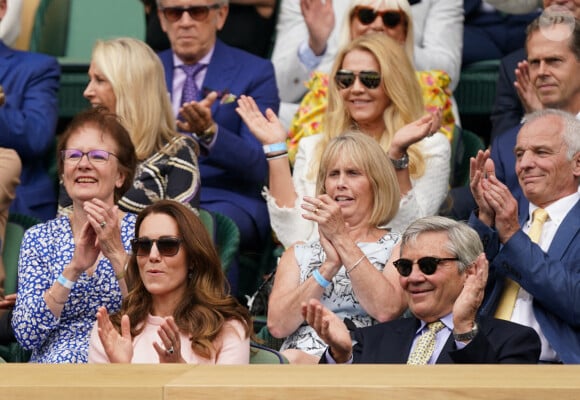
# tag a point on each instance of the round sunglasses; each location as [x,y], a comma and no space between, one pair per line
[391,18]
[427,265]
[345,78]
[166,246]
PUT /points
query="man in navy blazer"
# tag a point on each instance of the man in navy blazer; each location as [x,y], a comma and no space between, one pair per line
[28,122]
[233,166]
[556,84]
[547,155]
[443,273]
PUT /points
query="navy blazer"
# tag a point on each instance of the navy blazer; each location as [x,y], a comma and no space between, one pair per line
[235,169]
[552,278]
[498,342]
[27,125]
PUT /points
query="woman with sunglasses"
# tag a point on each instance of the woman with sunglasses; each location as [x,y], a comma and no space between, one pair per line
[304,44]
[126,77]
[374,89]
[178,310]
[356,196]
[70,266]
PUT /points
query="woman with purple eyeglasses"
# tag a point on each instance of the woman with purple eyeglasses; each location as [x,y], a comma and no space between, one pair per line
[70,266]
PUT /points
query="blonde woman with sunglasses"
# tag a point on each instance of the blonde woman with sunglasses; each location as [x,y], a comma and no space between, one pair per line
[178,310]
[373,88]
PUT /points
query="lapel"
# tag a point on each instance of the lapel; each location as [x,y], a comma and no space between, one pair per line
[405,334]
[444,357]
[566,233]
[220,72]
[167,61]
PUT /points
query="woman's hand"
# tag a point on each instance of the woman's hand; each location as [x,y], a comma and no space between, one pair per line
[327,213]
[7,302]
[170,352]
[267,129]
[414,132]
[119,347]
[87,249]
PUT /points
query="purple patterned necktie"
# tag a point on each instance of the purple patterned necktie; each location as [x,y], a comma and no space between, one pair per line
[190,91]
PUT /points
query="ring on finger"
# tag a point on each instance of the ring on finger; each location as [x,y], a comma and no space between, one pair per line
[170,350]
[103,224]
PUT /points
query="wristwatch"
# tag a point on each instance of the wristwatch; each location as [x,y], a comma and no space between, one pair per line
[467,336]
[402,162]
[208,134]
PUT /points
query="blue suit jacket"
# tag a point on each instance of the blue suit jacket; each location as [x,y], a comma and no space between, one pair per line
[552,278]
[498,342]
[27,125]
[235,168]
[504,159]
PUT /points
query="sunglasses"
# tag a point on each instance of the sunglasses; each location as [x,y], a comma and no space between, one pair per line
[94,156]
[427,265]
[391,18]
[345,78]
[197,13]
[167,246]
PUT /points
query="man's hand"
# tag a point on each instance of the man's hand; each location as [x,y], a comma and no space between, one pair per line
[505,208]
[525,88]
[197,115]
[471,296]
[480,168]
[330,329]
[319,18]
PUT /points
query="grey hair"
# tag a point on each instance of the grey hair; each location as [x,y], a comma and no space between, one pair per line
[571,129]
[463,241]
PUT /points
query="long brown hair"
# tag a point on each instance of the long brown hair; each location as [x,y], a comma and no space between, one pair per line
[206,305]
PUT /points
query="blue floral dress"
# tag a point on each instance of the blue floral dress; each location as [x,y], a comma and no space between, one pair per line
[339,296]
[46,249]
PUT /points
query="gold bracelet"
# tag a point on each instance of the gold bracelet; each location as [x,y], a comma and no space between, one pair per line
[121,275]
[348,271]
[54,298]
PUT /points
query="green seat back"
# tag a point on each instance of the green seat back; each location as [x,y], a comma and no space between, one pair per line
[12,240]
[227,238]
[264,355]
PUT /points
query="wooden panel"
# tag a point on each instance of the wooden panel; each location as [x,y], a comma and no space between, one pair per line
[86,382]
[391,382]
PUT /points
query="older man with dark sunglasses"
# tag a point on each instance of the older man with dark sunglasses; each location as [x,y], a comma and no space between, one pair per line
[443,273]
[204,77]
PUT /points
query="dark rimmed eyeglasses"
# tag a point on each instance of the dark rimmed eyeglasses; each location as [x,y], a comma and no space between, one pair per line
[197,13]
[166,246]
[94,156]
[391,18]
[427,265]
[344,78]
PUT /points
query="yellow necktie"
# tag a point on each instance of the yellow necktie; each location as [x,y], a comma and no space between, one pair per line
[425,345]
[510,291]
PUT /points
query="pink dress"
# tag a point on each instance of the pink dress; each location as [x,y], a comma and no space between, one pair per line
[233,347]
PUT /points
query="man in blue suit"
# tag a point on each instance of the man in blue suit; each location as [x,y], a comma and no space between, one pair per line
[544,262]
[232,164]
[28,122]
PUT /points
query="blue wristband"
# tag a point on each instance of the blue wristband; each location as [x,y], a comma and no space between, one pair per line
[320,279]
[270,148]
[65,282]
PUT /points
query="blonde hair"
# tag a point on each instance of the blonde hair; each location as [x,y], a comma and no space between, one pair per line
[363,152]
[403,5]
[400,84]
[138,81]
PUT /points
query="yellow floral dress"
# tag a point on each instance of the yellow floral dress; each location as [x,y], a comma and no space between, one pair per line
[308,120]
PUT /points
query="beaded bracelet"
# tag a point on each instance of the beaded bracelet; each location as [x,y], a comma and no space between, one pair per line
[65,282]
[348,271]
[320,279]
[276,156]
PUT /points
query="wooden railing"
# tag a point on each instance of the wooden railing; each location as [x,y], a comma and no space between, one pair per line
[316,382]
